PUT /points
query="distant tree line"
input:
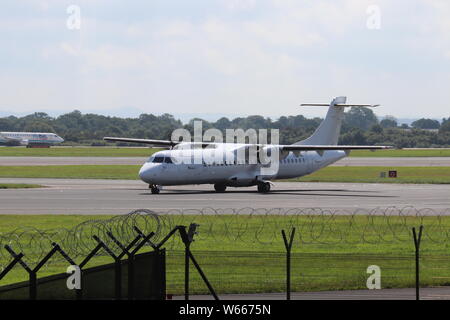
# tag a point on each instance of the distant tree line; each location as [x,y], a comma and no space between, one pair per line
[361,126]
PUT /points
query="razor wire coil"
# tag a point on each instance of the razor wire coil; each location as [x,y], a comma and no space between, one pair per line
[224,227]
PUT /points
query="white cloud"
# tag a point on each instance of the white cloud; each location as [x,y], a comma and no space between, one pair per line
[108,57]
[283,33]
[175,29]
[239,4]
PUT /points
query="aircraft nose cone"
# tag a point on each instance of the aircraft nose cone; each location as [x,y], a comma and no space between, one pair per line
[142,173]
[147,172]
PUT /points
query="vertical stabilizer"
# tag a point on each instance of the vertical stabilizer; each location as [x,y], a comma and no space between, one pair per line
[328,131]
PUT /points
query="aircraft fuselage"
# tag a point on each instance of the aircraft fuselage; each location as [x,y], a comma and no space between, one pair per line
[165,172]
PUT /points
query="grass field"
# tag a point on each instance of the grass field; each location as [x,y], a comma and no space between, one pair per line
[436,175]
[18,186]
[76,152]
[245,254]
[145,152]
[439,175]
[129,172]
[402,153]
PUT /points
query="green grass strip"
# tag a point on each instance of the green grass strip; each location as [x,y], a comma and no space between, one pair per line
[76,152]
[432,175]
[146,152]
[402,153]
[127,172]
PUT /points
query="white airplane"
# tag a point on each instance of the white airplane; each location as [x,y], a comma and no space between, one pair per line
[29,139]
[164,168]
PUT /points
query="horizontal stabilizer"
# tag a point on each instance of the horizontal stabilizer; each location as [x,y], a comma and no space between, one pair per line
[339,105]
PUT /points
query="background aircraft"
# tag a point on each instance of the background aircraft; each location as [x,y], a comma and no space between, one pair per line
[172,167]
[29,139]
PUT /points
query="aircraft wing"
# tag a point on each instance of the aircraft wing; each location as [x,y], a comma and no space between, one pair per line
[162,143]
[157,143]
[299,147]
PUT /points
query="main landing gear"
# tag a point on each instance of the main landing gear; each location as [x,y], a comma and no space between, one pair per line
[154,188]
[263,187]
[220,187]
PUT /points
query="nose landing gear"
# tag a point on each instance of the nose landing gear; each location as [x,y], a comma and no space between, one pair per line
[154,188]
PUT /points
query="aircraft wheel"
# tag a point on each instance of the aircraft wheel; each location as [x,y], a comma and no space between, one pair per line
[264,187]
[155,189]
[220,187]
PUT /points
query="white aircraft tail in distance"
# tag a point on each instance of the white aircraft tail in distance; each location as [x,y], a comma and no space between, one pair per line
[29,139]
[219,164]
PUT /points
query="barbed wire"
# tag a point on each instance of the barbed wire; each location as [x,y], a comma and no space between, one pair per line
[78,241]
[237,229]
[314,225]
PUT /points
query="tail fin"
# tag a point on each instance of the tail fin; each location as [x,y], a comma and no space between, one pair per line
[328,131]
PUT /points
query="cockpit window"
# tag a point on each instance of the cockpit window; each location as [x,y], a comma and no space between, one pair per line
[168,160]
[151,159]
[158,159]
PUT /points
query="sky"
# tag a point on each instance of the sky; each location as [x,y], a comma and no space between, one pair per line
[224,57]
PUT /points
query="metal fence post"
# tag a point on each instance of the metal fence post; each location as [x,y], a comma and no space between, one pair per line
[126,250]
[188,237]
[417,239]
[202,274]
[187,243]
[57,247]
[31,272]
[82,264]
[288,246]
[11,265]
[117,268]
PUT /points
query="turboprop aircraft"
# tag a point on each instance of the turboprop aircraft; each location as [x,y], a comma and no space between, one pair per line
[232,165]
[29,139]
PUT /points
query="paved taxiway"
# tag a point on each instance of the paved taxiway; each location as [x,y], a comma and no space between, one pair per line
[64,196]
[388,161]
